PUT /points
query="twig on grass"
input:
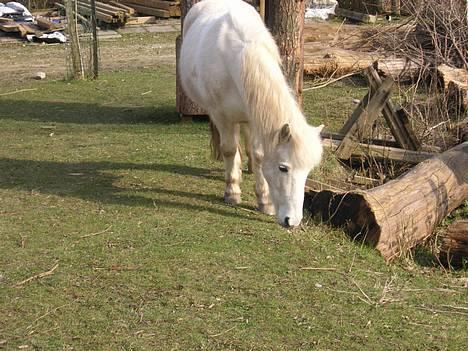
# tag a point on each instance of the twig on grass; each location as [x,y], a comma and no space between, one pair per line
[37,276]
[46,314]
[223,332]
[17,91]
[318,269]
[98,233]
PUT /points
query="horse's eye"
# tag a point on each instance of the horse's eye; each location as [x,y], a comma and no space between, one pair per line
[283,169]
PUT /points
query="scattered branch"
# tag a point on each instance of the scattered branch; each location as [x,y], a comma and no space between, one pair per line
[37,276]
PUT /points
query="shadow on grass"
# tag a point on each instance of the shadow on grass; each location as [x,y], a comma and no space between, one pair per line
[93,181]
[87,113]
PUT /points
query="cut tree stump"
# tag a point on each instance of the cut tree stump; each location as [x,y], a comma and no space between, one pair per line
[455,83]
[454,244]
[398,215]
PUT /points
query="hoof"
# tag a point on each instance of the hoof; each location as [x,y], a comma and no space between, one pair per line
[232,199]
[268,209]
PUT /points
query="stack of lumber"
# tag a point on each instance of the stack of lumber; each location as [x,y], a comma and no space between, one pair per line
[8,25]
[157,8]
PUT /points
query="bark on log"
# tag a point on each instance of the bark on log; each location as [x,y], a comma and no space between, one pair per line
[400,69]
[403,212]
[455,83]
[285,19]
[454,244]
[186,107]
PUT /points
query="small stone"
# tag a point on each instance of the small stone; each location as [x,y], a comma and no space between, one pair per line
[40,75]
[318,285]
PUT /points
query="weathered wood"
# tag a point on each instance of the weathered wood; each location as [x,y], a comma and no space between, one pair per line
[172,7]
[151,11]
[363,118]
[455,84]
[45,24]
[380,152]
[357,16]
[397,120]
[141,20]
[398,215]
[129,10]
[400,69]
[285,19]
[454,244]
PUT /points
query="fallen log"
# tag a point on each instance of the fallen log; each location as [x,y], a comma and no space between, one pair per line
[400,69]
[454,244]
[398,215]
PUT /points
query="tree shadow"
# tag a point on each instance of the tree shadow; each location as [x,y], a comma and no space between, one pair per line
[86,113]
[93,181]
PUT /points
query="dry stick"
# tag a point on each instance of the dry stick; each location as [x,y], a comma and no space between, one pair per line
[223,332]
[46,314]
[318,269]
[331,81]
[17,91]
[38,276]
[94,234]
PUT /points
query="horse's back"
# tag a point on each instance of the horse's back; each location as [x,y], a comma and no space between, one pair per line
[215,34]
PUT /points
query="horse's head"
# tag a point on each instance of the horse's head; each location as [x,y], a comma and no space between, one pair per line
[286,169]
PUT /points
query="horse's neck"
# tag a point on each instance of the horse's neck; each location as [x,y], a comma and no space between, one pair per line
[269,99]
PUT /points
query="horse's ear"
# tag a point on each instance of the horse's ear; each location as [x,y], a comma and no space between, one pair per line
[284,134]
[320,128]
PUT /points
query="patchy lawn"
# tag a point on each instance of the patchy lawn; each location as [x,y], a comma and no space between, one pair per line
[102,186]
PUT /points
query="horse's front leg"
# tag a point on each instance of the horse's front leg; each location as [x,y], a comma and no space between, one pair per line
[261,186]
[229,135]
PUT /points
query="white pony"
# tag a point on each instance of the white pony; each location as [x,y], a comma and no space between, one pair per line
[231,67]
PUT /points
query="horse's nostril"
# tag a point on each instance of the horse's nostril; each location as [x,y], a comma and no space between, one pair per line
[286,221]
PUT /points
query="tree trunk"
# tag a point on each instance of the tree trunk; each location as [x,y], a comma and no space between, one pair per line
[186,107]
[398,215]
[454,244]
[285,19]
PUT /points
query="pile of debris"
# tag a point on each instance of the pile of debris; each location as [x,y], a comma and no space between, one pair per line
[17,19]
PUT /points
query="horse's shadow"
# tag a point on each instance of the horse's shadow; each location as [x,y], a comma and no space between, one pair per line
[97,182]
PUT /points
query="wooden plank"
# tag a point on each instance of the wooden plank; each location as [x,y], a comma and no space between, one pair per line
[129,10]
[172,7]
[357,16]
[44,23]
[151,11]
[398,123]
[381,152]
[141,20]
[339,137]
[364,118]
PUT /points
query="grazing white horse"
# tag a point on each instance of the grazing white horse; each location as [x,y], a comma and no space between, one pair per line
[231,67]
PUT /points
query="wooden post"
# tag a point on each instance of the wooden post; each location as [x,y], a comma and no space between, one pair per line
[94,51]
[285,19]
[186,107]
[77,63]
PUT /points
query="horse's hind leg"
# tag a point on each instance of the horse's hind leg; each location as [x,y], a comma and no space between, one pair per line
[229,135]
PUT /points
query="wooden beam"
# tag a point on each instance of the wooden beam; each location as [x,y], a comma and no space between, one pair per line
[363,118]
[397,122]
[380,152]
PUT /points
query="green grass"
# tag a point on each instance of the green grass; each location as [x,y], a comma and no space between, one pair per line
[102,178]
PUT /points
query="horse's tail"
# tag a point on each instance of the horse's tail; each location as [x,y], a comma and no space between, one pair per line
[215,143]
